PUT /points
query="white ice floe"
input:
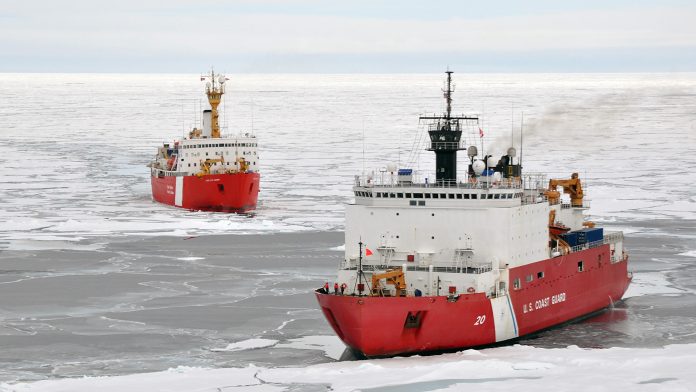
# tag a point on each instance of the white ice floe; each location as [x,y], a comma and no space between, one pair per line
[248,344]
[190,258]
[497,369]
[506,368]
[691,253]
[651,283]
[52,243]
[180,379]
[330,345]
[339,248]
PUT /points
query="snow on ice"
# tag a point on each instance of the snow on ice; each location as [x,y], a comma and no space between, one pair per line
[496,369]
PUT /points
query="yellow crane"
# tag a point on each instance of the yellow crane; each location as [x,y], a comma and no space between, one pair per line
[207,164]
[571,186]
[394,276]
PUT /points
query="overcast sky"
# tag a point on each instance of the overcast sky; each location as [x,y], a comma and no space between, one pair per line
[347,36]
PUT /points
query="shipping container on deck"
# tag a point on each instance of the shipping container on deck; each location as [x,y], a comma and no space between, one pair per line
[571,238]
[590,235]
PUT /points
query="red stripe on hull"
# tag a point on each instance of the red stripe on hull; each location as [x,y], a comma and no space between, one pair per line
[217,192]
[376,326]
[564,293]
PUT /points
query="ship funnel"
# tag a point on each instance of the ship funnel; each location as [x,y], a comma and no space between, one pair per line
[207,123]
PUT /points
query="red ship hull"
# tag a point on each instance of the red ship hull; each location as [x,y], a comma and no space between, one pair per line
[216,192]
[380,326]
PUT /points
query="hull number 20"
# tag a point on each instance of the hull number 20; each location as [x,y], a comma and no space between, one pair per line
[480,320]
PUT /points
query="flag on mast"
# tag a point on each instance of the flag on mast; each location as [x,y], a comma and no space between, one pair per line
[480,132]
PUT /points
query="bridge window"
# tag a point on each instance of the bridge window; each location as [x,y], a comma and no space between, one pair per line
[474,196]
[417,195]
[540,274]
[412,202]
[427,195]
[459,195]
[497,196]
[451,195]
[421,202]
[408,195]
[529,278]
[581,266]
[400,195]
[435,196]
[443,195]
[516,284]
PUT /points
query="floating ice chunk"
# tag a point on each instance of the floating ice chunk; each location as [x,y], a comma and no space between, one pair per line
[691,253]
[190,258]
[247,345]
[650,283]
[46,244]
[340,248]
[330,345]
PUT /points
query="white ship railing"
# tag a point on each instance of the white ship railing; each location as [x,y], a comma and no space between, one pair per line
[371,182]
[609,238]
[168,173]
[433,146]
[478,269]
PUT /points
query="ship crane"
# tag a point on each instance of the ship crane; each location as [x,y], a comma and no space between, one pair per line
[207,164]
[571,187]
[395,277]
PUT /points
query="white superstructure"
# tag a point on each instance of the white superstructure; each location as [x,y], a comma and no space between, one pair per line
[224,154]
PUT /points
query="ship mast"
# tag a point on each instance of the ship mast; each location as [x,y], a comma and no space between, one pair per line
[445,134]
[214,89]
[448,94]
